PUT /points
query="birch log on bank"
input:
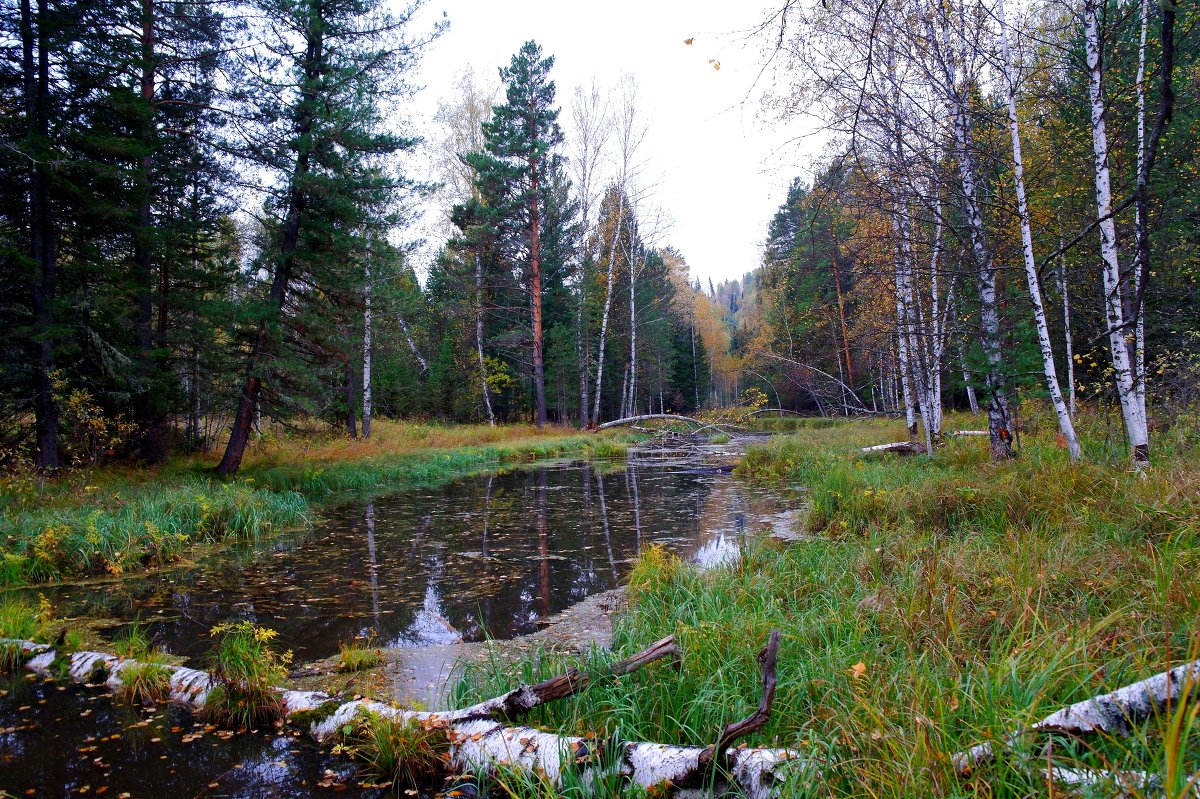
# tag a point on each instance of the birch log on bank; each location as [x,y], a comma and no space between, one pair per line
[899,447]
[482,737]
[1116,713]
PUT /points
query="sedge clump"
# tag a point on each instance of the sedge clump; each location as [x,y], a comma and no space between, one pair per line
[246,666]
[405,752]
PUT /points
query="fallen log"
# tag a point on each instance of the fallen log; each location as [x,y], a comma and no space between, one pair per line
[957,433]
[899,447]
[782,411]
[1116,712]
[479,741]
[649,416]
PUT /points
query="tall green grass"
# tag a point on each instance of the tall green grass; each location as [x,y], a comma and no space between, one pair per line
[138,526]
[111,522]
[939,602]
[321,478]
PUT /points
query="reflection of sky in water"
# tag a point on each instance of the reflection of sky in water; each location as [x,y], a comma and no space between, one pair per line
[486,556]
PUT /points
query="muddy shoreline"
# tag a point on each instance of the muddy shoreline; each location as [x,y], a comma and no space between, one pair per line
[420,677]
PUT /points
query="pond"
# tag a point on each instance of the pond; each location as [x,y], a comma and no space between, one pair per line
[490,556]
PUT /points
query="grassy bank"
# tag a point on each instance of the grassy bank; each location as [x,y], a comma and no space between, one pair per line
[116,520]
[936,604]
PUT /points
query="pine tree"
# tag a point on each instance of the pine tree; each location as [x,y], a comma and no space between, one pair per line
[516,172]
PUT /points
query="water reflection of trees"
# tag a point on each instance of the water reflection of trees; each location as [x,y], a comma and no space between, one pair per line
[491,556]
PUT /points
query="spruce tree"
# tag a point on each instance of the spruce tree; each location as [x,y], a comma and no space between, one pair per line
[321,95]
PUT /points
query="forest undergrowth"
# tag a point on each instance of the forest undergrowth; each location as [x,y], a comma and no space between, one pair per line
[932,604]
[112,520]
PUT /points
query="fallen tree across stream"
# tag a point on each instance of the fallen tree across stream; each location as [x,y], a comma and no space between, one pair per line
[483,737]
[646,417]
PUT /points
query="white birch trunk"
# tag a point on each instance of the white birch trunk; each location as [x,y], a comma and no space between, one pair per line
[608,292]
[937,329]
[972,400]
[632,405]
[1140,224]
[1065,425]
[902,338]
[989,317]
[1133,414]
[948,56]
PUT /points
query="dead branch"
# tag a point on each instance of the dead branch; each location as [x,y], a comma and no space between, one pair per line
[713,755]
[525,698]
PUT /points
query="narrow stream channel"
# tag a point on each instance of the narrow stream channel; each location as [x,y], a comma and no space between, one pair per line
[487,556]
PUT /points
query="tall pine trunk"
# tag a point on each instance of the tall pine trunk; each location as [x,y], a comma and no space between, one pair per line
[148,414]
[367,348]
[36,83]
[535,267]
[297,204]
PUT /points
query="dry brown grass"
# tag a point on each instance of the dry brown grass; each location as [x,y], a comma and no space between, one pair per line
[389,439]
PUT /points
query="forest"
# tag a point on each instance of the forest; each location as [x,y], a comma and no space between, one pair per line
[328,415]
[204,230]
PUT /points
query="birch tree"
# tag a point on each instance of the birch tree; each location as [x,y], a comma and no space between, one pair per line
[1132,411]
[1065,424]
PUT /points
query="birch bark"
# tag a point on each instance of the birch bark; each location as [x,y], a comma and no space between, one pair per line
[1065,424]
[1133,414]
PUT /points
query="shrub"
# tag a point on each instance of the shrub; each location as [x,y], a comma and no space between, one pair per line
[247,668]
[404,751]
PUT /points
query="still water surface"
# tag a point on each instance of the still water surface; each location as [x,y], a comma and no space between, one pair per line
[487,556]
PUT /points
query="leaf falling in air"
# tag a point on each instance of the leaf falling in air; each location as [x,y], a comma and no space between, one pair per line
[689,40]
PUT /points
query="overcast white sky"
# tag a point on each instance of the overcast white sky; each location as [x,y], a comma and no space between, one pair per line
[723,169]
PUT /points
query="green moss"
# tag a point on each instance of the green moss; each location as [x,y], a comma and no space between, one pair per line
[306,718]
